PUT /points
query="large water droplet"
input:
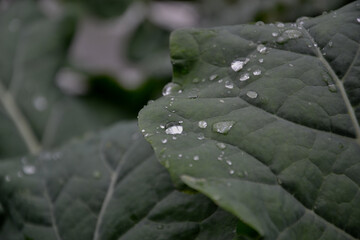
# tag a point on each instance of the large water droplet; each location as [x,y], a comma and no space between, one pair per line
[29,169]
[202,124]
[171,88]
[173,128]
[261,49]
[252,94]
[244,77]
[223,127]
[229,85]
[40,103]
[238,64]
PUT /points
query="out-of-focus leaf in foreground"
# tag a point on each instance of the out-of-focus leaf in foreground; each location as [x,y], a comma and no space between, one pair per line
[33,48]
[264,119]
[106,187]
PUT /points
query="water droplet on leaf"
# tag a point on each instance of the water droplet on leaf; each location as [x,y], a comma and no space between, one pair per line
[257,72]
[244,77]
[252,94]
[171,88]
[261,49]
[202,124]
[223,127]
[332,88]
[173,128]
[229,85]
[221,145]
[238,64]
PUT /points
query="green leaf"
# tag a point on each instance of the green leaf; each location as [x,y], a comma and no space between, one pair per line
[279,147]
[33,48]
[106,187]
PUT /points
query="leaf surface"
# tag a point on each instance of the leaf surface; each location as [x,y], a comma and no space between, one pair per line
[264,119]
[105,187]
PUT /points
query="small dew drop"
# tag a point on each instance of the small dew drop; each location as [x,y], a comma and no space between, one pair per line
[180,155]
[291,65]
[261,60]
[40,103]
[173,128]
[229,162]
[275,34]
[213,77]
[29,169]
[358,19]
[223,127]
[229,85]
[164,140]
[196,158]
[222,101]
[244,77]
[221,145]
[231,171]
[171,88]
[252,94]
[257,72]
[160,226]
[332,88]
[330,44]
[202,124]
[201,137]
[261,48]
[238,64]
